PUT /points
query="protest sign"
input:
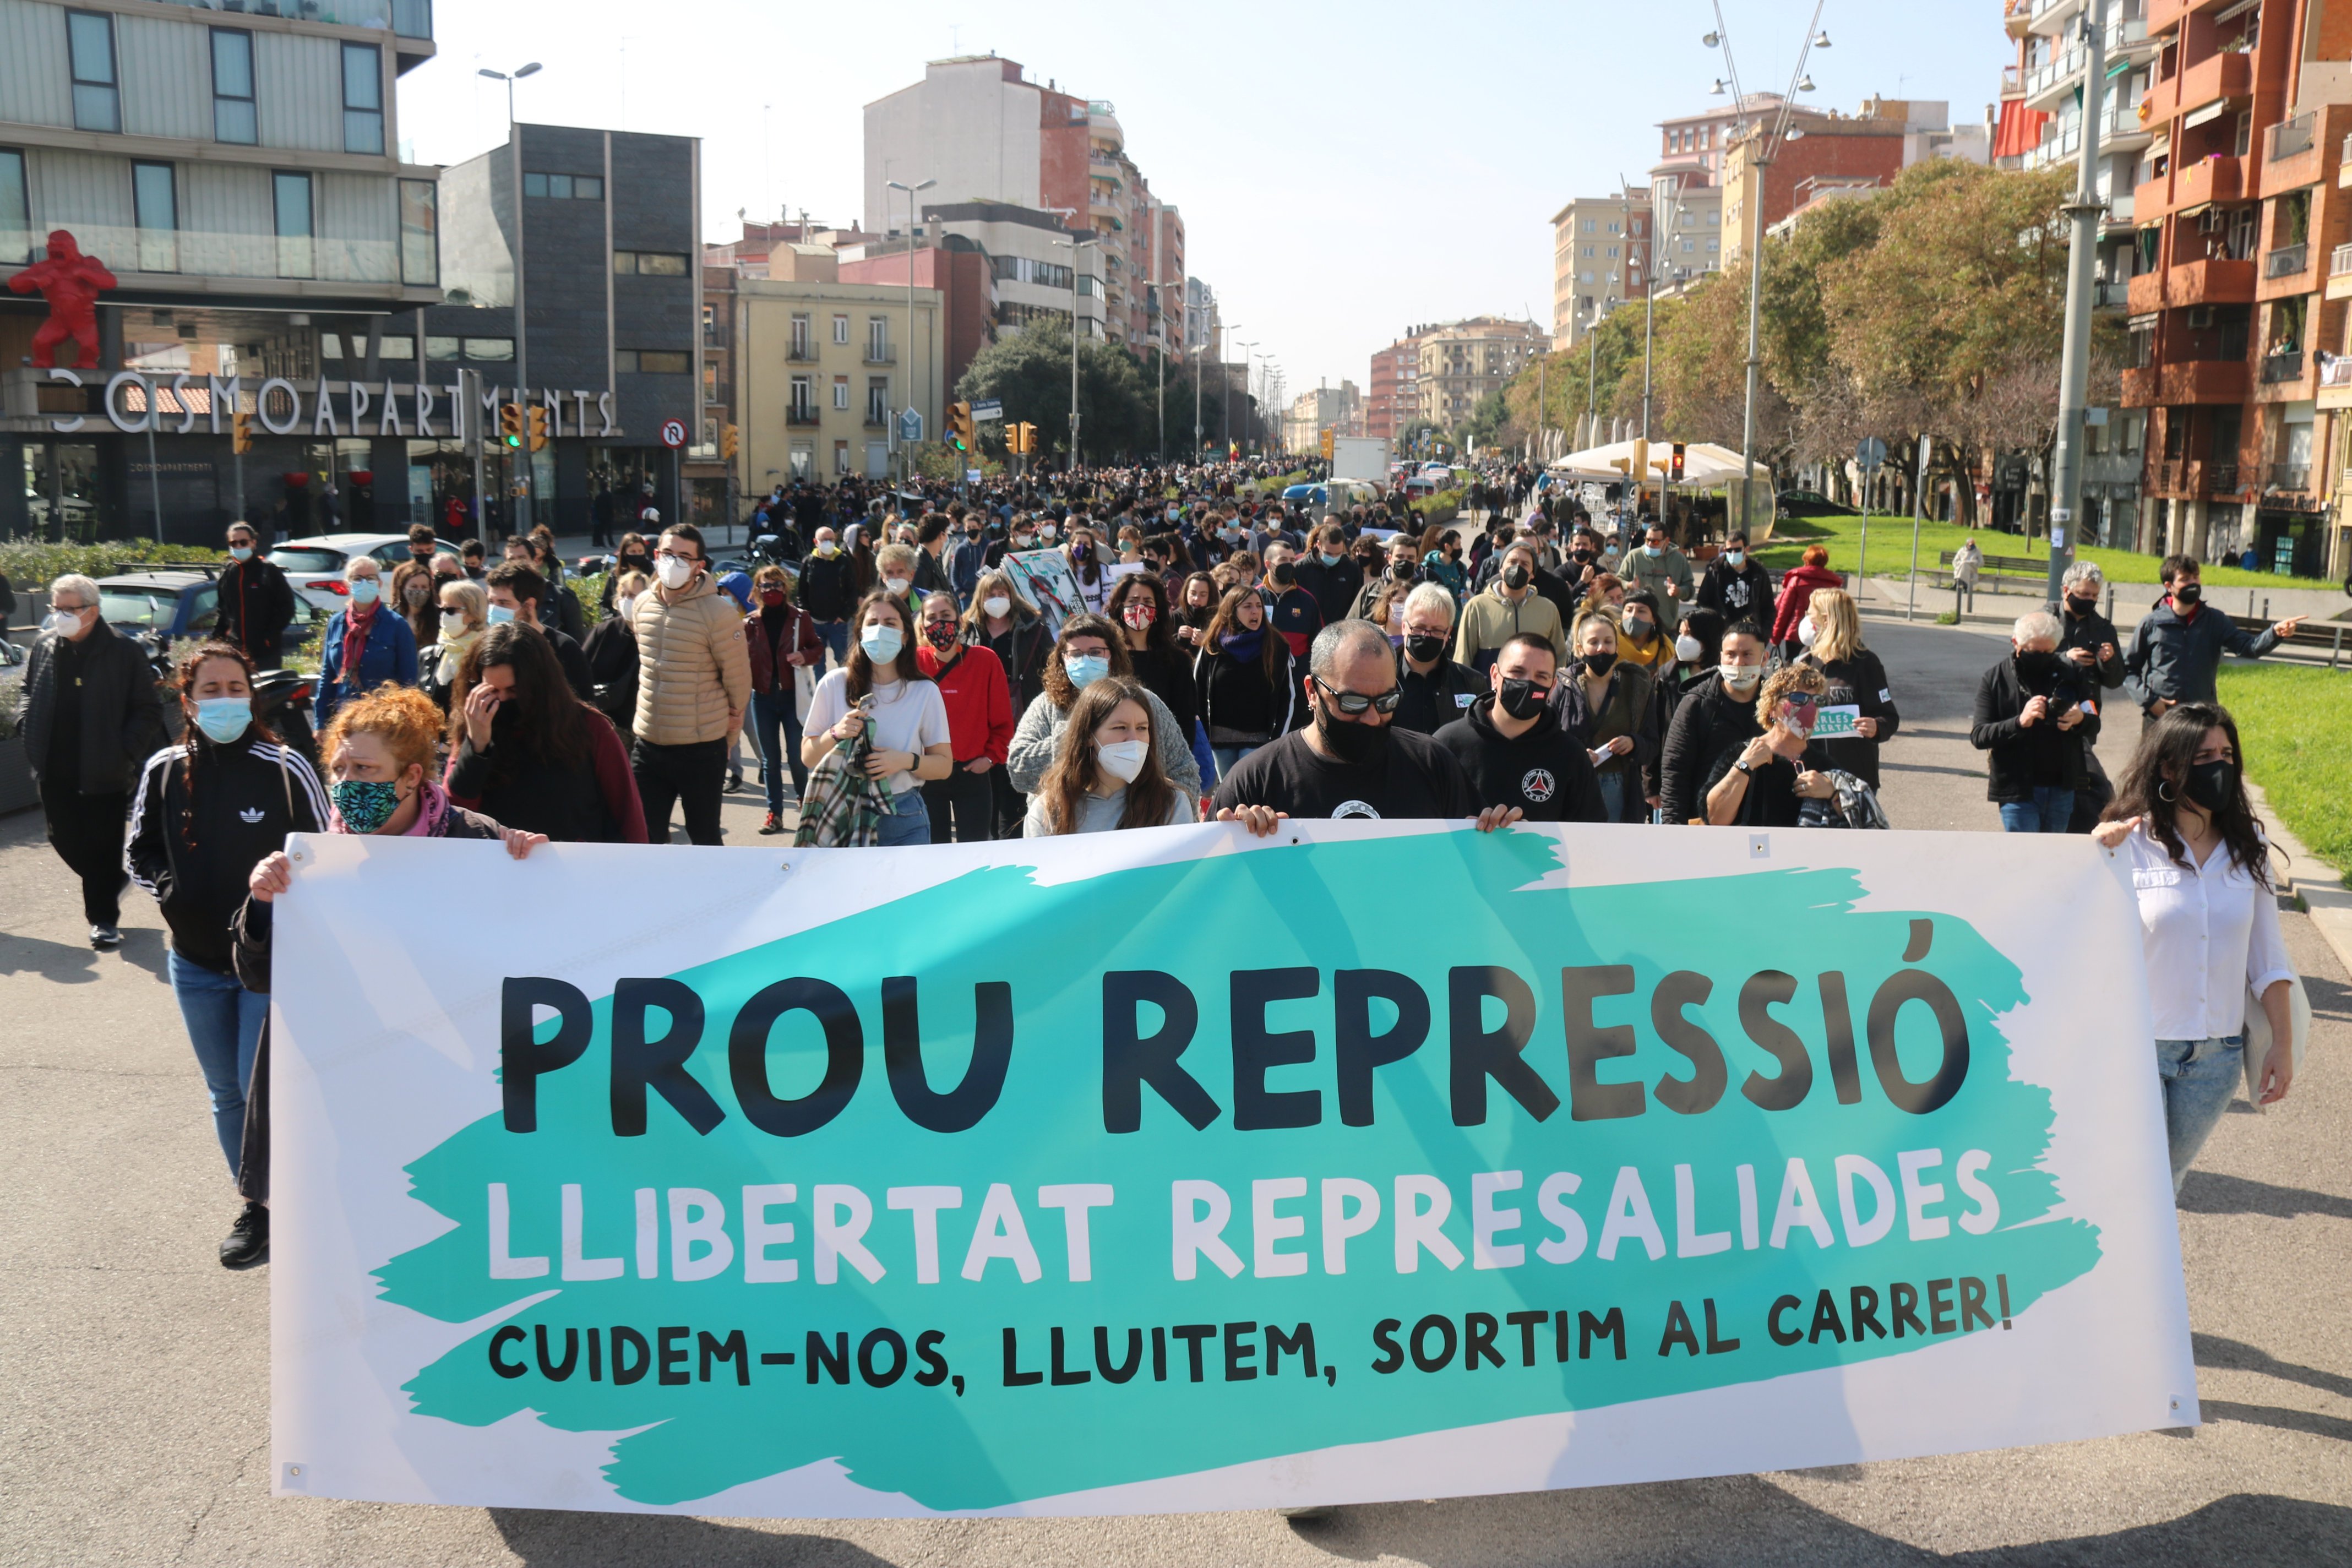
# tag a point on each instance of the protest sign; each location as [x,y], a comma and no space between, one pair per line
[1837,718]
[1043,578]
[1176,1169]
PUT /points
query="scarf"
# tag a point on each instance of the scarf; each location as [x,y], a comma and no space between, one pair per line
[1244,645]
[357,624]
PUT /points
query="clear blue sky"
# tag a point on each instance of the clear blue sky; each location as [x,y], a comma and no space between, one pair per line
[1343,171]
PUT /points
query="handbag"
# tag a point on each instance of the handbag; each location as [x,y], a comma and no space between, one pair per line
[2256,1036]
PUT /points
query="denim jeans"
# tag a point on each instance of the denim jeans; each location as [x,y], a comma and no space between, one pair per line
[2200,1078]
[224,1023]
[836,638]
[1612,794]
[1205,756]
[2049,811]
[1229,757]
[772,711]
[909,824]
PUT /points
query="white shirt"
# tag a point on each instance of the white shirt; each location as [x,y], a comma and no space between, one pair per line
[909,716]
[2210,934]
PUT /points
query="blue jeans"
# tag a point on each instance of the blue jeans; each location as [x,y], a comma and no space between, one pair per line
[836,638]
[2051,807]
[909,824]
[224,1023]
[1228,758]
[1612,794]
[2199,1078]
[772,711]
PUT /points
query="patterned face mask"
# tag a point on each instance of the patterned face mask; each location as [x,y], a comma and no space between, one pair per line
[364,805]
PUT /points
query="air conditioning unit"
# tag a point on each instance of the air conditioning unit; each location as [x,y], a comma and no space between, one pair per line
[2199,316]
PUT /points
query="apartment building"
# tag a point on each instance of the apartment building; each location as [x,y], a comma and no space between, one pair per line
[1692,148]
[1600,259]
[1461,363]
[2237,325]
[1393,401]
[238,175]
[1334,408]
[824,368]
[1837,155]
[1205,332]
[980,131]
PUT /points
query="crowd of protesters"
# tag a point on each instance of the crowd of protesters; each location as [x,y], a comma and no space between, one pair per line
[1137,648]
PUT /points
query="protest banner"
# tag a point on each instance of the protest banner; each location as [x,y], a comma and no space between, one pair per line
[1043,578]
[1169,1170]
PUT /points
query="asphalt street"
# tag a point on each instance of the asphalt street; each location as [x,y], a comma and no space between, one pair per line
[135,1408]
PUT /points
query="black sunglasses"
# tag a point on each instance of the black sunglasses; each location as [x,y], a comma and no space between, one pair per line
[1354,704]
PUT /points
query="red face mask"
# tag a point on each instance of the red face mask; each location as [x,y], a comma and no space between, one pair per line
[1139,613]
[772,597]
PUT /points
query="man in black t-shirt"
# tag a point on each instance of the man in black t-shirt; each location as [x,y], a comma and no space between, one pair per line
[1351,763]
[1511,744]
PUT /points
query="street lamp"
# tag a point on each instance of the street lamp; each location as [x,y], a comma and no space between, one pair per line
[522,336]
[1247,355]
[906,456]
[1225,381]
[1073,245]
[1817,38]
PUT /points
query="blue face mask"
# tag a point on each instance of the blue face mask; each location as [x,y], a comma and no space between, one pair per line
[240,551]
[1085,669]
[364,590]
[223,719]
[499,615]
[1735,557]
[881,643]
[1327,558]
[1653,550]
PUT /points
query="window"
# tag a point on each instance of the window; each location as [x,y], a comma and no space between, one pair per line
[1588,226]
[648,264]
[420,229]
[15,212]
[877,400]
[291,192]
[804,402]
[877,340]
[1613,253]
[156,205]
[650,361]
[841,392]
[840,329]
[711,381]
[331,345]
[799,348]
[494,349]
[233,117]
[363,99]
[572,187]
[440,349]
[96,105]
[396,348]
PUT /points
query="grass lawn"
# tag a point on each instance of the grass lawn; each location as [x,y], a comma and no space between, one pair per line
[2295,721]
[1890,552]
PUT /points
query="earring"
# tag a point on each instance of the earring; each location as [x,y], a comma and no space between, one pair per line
[2164,791]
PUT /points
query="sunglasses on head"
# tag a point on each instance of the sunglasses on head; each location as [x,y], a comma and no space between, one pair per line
[1353,703]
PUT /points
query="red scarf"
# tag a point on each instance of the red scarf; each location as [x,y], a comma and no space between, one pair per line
[357,624]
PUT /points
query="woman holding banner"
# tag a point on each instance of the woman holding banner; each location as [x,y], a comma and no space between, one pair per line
[1107,774]
[2209,920]
[884,686]
[380,751]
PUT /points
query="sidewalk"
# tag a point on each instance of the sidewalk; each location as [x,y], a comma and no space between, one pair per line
[2316,885]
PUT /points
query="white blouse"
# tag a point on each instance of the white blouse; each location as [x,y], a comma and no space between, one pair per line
[2210,933]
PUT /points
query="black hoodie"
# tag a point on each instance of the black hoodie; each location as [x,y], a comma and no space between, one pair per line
[197,831]
[1545,772]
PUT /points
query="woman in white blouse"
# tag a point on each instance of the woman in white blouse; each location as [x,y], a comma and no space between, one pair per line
[2208,918]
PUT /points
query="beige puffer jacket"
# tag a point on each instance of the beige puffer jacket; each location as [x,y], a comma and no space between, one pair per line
[694,674]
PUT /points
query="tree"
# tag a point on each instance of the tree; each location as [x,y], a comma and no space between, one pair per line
[1029,373]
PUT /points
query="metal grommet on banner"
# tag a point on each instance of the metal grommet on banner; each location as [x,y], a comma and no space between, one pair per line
[1759,846]
[296,854]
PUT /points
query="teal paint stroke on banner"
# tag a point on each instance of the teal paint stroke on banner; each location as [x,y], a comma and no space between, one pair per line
[1416,905]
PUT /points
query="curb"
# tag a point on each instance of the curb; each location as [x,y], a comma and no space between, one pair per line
[2311,881]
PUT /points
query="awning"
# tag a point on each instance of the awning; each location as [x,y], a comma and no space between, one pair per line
[2196,117]
[2019,131]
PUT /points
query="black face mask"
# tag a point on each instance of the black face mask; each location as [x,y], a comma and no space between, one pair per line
[2083,606]
[1403,571]
[1581,557]
[1424,649]
[2213,785]
[1281,577]
[1356,743]
[2036,669]
[1522,698]
[1515,576]
[2188,593]
[1599,663]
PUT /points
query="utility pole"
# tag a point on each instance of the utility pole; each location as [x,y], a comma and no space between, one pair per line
[2075,361]
[907,452]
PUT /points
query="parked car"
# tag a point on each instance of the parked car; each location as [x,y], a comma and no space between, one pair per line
[315,565]
[168,605]
[1811,504]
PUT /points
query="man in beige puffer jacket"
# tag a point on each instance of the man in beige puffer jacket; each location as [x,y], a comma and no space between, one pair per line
[694,676]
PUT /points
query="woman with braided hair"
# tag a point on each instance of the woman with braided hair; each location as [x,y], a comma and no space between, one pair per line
[206,812]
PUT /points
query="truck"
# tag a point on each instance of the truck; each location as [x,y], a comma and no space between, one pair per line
[1361,458]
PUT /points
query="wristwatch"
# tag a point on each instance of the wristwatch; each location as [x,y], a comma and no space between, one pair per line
[1741,765]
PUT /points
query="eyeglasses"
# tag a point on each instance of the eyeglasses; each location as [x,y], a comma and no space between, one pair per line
[673,555]
[1354,703]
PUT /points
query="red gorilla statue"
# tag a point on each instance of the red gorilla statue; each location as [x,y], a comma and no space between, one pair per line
[70,282]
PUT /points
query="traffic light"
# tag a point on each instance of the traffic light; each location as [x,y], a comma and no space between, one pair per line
[1021,439]
[959,431]
[1675,472]
[240,439]
[510,426]
[537,425]
[727,442]
[1327,443]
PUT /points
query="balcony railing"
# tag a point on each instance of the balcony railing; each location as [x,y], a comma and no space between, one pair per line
[2111,294]
[2285,365]
[2222,478]
[409,18]
[2121,34]
[2012,81]
[2335,371]
[2290,137]
[2295,477]
[881,353]
[800,413]
[878,419]
[2339,261]
[2287,260]
[802,353]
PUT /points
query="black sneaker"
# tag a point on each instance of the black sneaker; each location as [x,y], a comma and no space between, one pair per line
[106,939]
[247,1241]
[734,781]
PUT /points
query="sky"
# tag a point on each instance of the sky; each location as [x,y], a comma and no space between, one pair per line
[1344,171]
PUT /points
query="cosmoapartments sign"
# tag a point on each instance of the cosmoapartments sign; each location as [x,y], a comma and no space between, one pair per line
[136,404]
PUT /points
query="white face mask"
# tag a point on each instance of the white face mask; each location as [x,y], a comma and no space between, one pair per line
[1686,649]
[1806,632]
[1122,760]
[896,586]
[828,548]
[453,623]
[1742,677]
[627,604]
[998,607]
[675,573]
[62,623]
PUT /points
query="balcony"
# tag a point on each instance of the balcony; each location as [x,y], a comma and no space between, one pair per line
[2287,261]
[2335,371]
[801,353]
[2222,478]
[408,19]
[2109,295]
[801,415]
[878,419]
[2219,178]
[2013,82]
[881,353]
[2284,365]
[2295,157]
[2295,478]
[2202,381]
[2045,82]
[2221,280]
[2228,76]
[2177,477]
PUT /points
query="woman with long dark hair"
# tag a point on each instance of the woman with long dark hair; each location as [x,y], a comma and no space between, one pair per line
[1196,606]
[207,811]
[526,752]
[2208,917]
[1087,649]
[884,686]
[1249,684]
[413,596]
[1138,607]
[1108,774]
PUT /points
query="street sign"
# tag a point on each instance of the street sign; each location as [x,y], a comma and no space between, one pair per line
[673,433]
[1869,453]
[971,476]
[988,413]
[910,425]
